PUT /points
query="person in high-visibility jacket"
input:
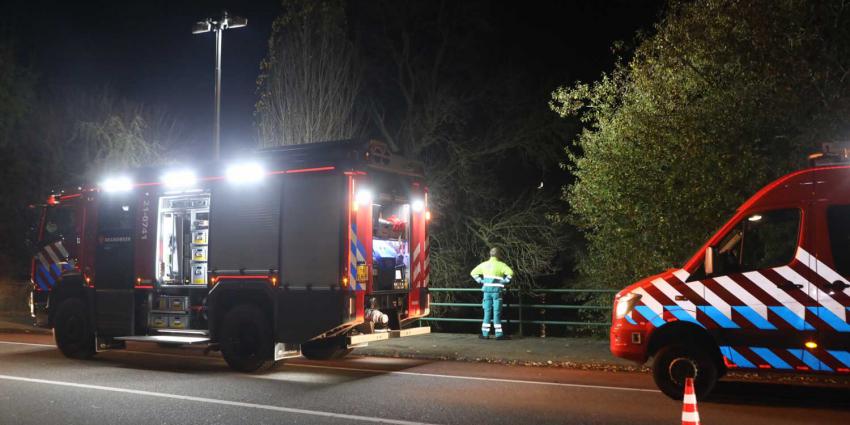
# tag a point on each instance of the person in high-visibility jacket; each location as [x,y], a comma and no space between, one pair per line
[493,275]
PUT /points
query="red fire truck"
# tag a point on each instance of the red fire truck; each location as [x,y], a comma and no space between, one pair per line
[310,249]
[767,292]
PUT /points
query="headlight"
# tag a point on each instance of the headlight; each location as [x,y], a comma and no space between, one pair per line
[625,305]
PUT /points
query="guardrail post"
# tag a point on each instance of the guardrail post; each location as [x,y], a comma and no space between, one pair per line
[506,300]
[519,312]
[543,316]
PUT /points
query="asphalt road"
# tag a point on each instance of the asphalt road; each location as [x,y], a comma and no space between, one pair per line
[153,385]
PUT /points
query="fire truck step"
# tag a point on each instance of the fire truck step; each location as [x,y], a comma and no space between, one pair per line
[185,332]
[166,339]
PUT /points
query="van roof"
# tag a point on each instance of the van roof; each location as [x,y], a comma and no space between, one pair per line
[830,182]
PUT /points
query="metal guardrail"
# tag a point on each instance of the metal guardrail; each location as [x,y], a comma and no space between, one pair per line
[520,306]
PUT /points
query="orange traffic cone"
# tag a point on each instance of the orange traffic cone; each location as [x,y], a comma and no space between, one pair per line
[690,415]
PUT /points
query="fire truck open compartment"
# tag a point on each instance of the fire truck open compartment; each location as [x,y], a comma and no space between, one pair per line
[182,239]
[390,244]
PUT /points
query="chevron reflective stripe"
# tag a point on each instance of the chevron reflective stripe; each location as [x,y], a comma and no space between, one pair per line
[771,358]
[61,248]
[426,269]
[790,305]
[830,319]
[735,357]
[48,249]
[43,261]
[687,307]
[824,271]
[682,275]
[821,296]
[742,294]
[842,356]
[358,256]
[809,359]
[786,359]
[754,317]
[655,308]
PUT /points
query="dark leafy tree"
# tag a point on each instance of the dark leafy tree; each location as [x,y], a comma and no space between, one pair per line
[723,97]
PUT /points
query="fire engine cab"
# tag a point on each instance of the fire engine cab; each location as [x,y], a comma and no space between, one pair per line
[768,292]
[309,249]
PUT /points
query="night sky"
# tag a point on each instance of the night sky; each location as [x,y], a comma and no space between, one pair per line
[144,50]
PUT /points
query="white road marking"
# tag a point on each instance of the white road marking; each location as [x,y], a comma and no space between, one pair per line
[27,343]
[388,372]
[470,378]
[214,401]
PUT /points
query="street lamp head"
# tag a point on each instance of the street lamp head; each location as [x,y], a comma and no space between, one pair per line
[236,22]
[201,27]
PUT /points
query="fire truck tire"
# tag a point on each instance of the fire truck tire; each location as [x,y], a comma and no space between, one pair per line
[246,339]
[673,363]
[72,330]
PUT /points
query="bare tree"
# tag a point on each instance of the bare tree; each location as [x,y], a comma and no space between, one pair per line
[310,79]
[90,133]
[435,107]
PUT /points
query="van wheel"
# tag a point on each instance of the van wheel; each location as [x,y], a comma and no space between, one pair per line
[72,331]
[246,339]
[674,363]
[324,350]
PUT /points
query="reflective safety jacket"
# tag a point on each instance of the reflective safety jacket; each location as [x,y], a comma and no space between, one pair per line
[492,275]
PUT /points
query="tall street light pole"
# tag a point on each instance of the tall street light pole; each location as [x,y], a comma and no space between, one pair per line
[218,25]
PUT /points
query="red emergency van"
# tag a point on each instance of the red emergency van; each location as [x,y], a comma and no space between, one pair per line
[768,292]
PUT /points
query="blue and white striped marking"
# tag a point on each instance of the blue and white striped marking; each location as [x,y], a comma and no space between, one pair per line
[358,256]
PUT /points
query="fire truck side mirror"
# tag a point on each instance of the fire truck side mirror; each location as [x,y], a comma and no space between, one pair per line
[708,261]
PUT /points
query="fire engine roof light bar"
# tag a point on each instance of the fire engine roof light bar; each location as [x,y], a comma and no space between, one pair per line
[246,172]
[364,196]
[418,205]
[117,184]
[179,179]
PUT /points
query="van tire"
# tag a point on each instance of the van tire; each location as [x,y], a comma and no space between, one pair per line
[672,363]
[72,330]
[246,339]
[324,350]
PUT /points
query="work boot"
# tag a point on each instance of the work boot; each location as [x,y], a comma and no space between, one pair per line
[483,336]
[502,337]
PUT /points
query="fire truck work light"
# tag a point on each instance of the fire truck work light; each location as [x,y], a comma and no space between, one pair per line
[117,184]
[179,179]
[364,196]
[418,205]
[245,172]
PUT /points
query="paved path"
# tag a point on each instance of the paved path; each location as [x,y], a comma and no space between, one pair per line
[148,384]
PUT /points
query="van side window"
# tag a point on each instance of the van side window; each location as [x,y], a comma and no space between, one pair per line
[759,241]
[838,222]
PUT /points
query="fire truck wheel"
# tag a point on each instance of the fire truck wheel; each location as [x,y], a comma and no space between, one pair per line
[246,339]
[674,363]
[72,331]
[323,350]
